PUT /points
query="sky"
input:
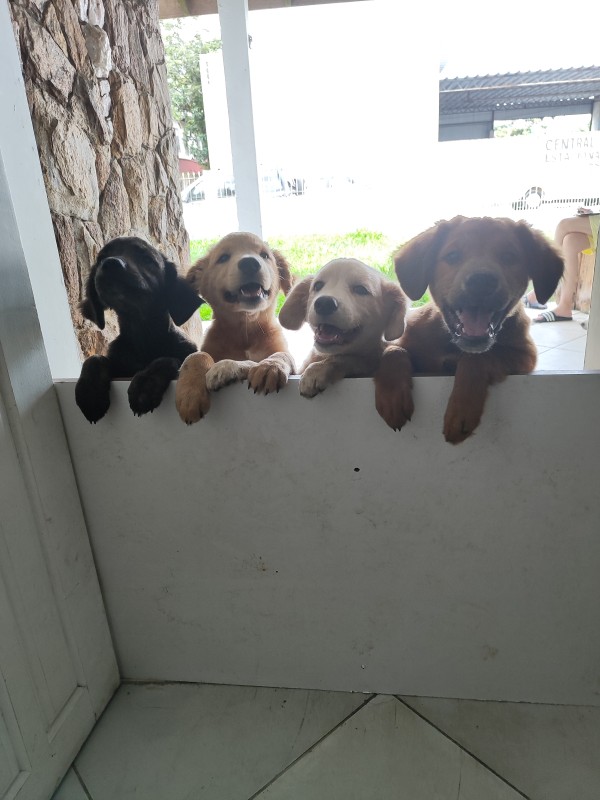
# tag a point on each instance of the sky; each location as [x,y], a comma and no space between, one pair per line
[317,88]
[353,87]
[514,36]
[470,37]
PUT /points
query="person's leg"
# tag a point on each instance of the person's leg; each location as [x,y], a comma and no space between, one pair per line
[571,237]
[572,245]
[577,224]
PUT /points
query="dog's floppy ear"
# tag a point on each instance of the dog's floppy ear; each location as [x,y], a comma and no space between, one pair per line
[414,262]
[91,306]
[545,264]
[182,299]
[293,311]
[196,272]
[394,310]
[285,276]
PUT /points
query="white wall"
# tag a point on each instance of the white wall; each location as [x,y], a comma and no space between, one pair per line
[301,543]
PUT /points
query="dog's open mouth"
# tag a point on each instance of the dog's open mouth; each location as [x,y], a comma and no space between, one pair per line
[328,335]
[248,294]
[474,329]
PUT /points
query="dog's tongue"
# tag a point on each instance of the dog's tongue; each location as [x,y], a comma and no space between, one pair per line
[251,290]
[475,322]
[328,334]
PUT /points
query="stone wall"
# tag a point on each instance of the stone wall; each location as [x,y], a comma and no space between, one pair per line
[96,84]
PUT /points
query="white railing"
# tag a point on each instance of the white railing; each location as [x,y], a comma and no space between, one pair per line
[302,543]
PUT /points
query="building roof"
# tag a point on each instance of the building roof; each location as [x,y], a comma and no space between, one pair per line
[553,87]
[189,165]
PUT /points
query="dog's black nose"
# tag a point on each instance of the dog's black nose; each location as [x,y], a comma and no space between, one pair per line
[249,265]
[482,282]
[113,263]
[325,305]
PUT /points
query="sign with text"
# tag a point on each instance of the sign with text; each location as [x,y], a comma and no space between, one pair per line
[582,148]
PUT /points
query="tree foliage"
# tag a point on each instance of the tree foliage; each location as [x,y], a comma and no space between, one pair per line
[182,54]
[541,126]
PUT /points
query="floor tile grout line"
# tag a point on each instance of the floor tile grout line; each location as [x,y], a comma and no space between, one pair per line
[462,747]
[81,781]
[555,346]
[312,747]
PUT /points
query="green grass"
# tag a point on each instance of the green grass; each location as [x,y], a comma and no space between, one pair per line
[307,254]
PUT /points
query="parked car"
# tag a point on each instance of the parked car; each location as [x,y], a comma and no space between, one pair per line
[273,182]
[208,185]
[195,191]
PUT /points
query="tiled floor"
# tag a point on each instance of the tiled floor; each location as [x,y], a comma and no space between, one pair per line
[561,345]
[197,742]
[200,742]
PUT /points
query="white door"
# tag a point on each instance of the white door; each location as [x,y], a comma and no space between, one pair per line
[57,663]
[57,668]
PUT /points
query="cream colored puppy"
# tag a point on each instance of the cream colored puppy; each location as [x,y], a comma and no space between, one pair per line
[351,308]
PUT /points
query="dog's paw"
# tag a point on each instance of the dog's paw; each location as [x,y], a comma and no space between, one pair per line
[192,402]
[192,398]
[267,376]
[147,387]
[393,388]
[145,393]
[92,390]
[459,422]
[94,402]
[314,380]
[224,373]
[395,408]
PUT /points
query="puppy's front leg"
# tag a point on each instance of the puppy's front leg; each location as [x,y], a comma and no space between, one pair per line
[321,374]
[272,373]
[393,387]
[92,390]
[469,392]
[227,371]
[149,385]
[192,397]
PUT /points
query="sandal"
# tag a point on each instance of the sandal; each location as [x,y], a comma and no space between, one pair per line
[550,316]
[533,303]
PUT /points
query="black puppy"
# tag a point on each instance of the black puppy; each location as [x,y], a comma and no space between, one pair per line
[143,287]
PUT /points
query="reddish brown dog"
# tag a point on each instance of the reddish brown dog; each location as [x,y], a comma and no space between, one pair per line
[240,277]
[477,270]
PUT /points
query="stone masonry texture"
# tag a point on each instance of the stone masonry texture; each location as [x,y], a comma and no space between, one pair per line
[95,79]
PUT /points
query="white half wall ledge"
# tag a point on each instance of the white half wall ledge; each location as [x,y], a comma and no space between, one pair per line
[301,543]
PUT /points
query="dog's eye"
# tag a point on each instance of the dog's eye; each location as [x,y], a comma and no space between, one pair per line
[508,258]
[452,257]
[223,258]
[264,254]
[317,286]
[360,289]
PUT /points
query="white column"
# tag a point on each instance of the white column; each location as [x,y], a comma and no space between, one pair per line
[595,126]
[233,15]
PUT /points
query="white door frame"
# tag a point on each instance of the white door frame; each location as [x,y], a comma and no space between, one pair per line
[57,663]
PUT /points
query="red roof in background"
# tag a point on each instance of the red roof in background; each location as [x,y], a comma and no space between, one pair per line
[189,165]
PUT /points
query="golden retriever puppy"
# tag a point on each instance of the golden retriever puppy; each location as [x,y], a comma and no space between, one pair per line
[477,270]
[240,277]
[351,308]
